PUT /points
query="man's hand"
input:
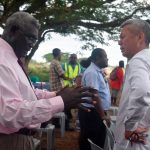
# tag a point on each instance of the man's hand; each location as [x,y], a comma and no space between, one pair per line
[74,96]
[99,109]
[80,106]
[137,136]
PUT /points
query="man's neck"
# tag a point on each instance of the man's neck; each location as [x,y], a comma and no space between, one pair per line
[72,64]
[56,58]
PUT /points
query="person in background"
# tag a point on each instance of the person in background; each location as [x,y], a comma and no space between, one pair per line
[132,132]
[117,82]
[84,64]
[56,72]
[91,122]
[22,108]
[34,78]
[71,70]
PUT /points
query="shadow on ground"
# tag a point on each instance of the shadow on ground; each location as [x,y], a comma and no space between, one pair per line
[68,142]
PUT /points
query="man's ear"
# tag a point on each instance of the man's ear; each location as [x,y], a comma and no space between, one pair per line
[97,57]
[141,36]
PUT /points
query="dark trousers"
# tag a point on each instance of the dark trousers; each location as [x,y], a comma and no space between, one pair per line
[92,127]
[68,118]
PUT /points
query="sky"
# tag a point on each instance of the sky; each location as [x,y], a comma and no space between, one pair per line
[71,45]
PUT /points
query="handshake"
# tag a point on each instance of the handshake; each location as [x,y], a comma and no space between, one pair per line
[74,96]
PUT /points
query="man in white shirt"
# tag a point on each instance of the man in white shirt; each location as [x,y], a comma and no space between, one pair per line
[131,130]
[21,107]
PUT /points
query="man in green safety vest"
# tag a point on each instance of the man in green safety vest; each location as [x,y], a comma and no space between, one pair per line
[72,69]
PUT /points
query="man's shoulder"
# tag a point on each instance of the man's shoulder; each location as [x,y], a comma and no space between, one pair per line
[90,71]
[54,61]
[142,55]
[67,64]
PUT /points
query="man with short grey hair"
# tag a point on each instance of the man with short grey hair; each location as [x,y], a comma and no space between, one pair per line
[22,108]
[131,130]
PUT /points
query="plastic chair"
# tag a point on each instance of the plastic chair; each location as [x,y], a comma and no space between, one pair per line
[37,144]
[110,140]
[62,118]
[94,146]
[113,119]
[114,110]
[49,130]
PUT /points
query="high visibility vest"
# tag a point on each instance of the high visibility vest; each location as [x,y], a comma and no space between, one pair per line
[71,73]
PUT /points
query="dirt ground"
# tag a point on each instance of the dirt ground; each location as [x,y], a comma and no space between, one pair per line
[68,142]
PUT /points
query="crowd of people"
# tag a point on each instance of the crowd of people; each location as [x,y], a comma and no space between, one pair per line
[74,84]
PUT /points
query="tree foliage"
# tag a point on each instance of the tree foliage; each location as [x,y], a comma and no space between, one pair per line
[40,70]
[88,19]
[64,58]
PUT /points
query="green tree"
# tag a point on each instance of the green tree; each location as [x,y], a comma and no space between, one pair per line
[88,19]
[64,58]
[40,70]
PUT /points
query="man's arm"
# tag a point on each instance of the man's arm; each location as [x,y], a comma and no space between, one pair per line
[60,72]
[43,94]
[91,79]
[17,112]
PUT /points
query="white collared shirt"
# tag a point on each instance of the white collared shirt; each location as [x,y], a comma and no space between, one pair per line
[135,99]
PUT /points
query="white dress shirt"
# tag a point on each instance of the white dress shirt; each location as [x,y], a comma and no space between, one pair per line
[135,101]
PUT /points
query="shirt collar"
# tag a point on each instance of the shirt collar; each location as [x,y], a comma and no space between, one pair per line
[137,54]
[7,48]
[96,68]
